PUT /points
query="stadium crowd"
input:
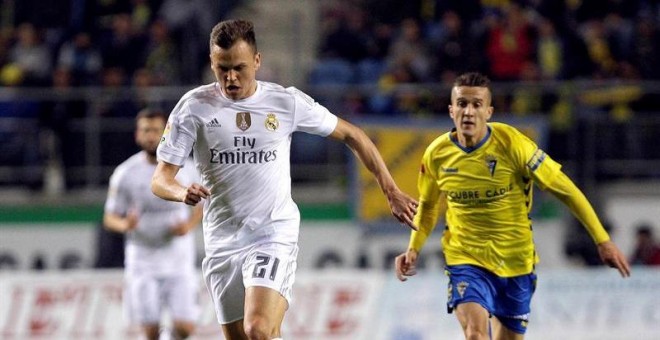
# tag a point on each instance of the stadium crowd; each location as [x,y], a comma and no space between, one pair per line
[538,52]
[425,41]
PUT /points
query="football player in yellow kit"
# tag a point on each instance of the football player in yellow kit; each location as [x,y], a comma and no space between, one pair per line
[479,177]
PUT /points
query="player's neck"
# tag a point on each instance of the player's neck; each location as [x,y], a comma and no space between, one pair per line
[151,158]
[469,141]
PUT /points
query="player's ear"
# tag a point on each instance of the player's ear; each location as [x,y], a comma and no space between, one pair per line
[451,111]
[257,61]
[489,113]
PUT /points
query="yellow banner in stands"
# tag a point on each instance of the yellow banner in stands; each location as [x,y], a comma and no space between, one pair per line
[402,150]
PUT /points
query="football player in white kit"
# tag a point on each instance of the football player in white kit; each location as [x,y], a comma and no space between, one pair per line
[160,245]
[239,130]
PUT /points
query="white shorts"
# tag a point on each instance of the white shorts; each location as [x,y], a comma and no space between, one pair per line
[271,265]
[146,296]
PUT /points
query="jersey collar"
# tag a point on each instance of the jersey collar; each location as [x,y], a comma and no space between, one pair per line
[254,96]
[469,148]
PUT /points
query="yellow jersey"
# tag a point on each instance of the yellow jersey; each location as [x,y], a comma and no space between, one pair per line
[488,190]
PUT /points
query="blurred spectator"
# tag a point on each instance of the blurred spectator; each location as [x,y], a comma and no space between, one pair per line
[59,117]
[188,21]
[531,98]
[162,56]
[121,45]
[510,44]
[141,14]
[578,62]
[452,47]
[646,48]
[647,250]
[142,83]
[410,51]
[381,35]
[31,56]
[619,31]
[18,129]
[346,36]
[598,46]
[613,102]
[550,50]
[81,58]
[384,100]
[118,102]
[562,120]
[115,80]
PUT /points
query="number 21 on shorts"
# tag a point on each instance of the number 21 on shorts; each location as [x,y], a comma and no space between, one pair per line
[265,267]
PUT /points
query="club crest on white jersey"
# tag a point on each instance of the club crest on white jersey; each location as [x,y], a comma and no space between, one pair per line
[271,122]
[243,120]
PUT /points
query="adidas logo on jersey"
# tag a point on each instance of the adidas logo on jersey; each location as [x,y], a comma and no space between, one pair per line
[213,123]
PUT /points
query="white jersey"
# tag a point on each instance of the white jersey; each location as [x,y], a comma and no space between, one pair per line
[241,149]
[150,247]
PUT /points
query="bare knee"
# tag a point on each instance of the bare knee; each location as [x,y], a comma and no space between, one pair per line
[258,328]
[475,333]
[151,331]
[474,321]
[183,330]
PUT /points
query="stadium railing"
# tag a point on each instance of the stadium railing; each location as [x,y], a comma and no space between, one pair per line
[58,140]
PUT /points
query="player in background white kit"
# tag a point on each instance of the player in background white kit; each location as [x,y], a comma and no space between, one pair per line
[239,130]
[160,245]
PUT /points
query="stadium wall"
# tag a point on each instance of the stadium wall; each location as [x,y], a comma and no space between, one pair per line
[569,304]
[72,241]
[74,246]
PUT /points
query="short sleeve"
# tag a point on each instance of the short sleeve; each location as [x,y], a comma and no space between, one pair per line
[179,136]
[542,168]
[310,116]
[536,163]
[118,199]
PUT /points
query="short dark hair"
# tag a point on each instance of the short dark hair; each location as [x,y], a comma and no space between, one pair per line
[475,79]
[151,113]
[226,33]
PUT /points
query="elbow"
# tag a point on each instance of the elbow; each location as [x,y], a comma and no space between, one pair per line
[105,223]
[155,186]
[108,223]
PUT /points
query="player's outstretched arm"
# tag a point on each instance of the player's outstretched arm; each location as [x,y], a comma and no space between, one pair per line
[403,206]
[120,224]
[165,186]
[567,192]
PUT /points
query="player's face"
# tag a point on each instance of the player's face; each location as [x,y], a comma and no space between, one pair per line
[470,110]
[148,133]
[235,69]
